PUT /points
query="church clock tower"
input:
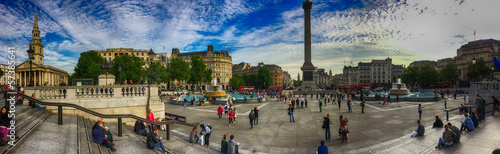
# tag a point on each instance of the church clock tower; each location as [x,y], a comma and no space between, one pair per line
[36,43]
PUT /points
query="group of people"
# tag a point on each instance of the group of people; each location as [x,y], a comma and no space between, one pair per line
[102,135]
[229,112]
[342,129]
[204,135]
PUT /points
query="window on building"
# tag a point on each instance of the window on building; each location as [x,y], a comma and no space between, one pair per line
[468,59]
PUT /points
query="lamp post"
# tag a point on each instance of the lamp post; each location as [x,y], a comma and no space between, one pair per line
[474,60]
[151,54]
[31,57]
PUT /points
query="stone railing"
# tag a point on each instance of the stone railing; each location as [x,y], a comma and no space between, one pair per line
[91,91]
[486,89]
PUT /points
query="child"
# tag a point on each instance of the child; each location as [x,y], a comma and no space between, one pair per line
[201,139]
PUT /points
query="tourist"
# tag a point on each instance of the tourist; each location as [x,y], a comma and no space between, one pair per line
[99,119]
[140,128]
[344,130]
[339,101]
[193,101]
[205,131]
[467,124]
[496,103]
[234,100]
[389,98]
[226,109]
[305,100]
[235,112]
[445,101]
[438,123]
[193,136]
[326,125]
[219,111]
[251,117]
[302,102]
[150,117]
[292,102]
[363,106]
[456,131]
[349,105]
[420,111]
[5,122]
[231,116]
[474,119]
[447,139]
[420,130]
[100,137]
[232,146]
[185,102]
[290,113]
[256,112]
[109,136]
[341,120]
[223,144]
[297,103]
[384,100]
[153,142]
[320,105]
[479,106]
[465,98]
[322,149]
[33,104]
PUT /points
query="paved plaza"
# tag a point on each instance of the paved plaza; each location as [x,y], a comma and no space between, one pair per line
[381,129]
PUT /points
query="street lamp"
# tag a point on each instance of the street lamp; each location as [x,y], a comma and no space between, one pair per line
[31,56]
[474,60]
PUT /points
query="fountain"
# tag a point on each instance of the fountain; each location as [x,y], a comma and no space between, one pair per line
[215,91]
[399,89]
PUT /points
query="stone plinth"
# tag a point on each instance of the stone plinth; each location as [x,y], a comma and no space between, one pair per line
[106,79]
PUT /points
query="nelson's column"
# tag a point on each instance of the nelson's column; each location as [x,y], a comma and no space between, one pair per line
[307,68]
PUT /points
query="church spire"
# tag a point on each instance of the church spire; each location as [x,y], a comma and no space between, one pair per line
[35,27]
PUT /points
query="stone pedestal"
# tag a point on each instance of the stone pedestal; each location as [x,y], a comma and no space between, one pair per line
[496,75]
[106,79]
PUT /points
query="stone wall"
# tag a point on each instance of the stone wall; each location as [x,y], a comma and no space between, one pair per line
[103,99]
[486,89]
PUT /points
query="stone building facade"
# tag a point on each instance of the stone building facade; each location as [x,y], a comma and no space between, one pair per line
[110,55]
[365,73]
[220,62]
[276,71]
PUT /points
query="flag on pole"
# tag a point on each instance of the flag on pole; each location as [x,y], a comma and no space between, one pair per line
[474,35]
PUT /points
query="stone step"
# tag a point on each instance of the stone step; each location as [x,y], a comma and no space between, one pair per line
[84,139]
[24,130]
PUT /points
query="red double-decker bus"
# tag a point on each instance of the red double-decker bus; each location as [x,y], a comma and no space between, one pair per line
[275,88]
[245,88]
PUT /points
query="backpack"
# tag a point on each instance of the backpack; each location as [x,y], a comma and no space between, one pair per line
[209,126]
[483,102]
[225,107]
[251,116]
[325,123]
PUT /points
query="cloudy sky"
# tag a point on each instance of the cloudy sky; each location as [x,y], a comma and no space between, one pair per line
[269,31]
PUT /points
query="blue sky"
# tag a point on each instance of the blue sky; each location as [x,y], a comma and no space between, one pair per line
[269,31]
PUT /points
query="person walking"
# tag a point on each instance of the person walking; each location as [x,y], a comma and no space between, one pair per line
[339,101]
[323,149]
[320,105]
[302,102]
[306,101]
[297,102]
[256,112]
[496,103]
[185,102]
[226,110]
[219,111]
[445,101]
[363,106]
[235,111]
[483,108]
[251,117]
[349,105]
[420,111]
[231,116]
[343,129]
[290,113]
[479,105]
[326,125]
[292,102]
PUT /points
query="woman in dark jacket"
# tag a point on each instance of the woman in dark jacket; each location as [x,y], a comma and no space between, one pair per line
[438,123]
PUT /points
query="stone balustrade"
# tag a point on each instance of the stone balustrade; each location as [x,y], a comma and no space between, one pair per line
[90,91]
[486,89]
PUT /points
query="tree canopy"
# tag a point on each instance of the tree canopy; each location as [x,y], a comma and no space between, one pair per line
[264,78]
[178,70]
[475,72]
[88,65]
[449,73]
[236,81]
[159,73]
[198,72]
[428,75]
[131,68]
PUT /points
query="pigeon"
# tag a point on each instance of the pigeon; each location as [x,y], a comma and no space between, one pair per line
[497,63]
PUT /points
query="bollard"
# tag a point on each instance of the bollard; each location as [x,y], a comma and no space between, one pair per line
[59,115]
[168,132]
[120,127]
[447,116]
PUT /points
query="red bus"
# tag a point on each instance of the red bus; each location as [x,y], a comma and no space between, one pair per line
[245,88]
[440,86]
[275,88]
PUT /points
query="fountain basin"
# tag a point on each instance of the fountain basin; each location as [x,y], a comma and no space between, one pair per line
[399,92]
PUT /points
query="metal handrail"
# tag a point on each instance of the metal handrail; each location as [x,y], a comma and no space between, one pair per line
[119,116]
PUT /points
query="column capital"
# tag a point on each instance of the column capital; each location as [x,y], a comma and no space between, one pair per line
[307,5]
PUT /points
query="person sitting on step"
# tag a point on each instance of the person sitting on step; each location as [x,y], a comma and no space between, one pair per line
[153,142]
[438,123]
[140,128]
[100,137]
[110,136]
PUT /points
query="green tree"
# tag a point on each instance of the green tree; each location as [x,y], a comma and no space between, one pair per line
[131,68]
[236,81]
[250,80]
[159,73]
[410,75]
[296,83]
[178,70]
[263,78]
[475,72]
[198,71]
[427,75]
[88,65]
[449,73]
[207,76]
